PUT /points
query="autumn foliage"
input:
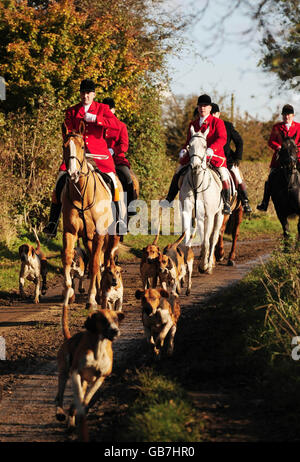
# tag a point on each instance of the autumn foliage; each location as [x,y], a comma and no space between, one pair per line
[46,49]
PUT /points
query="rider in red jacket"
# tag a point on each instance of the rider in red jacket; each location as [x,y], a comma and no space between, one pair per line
[97,118]
[234,157]
[118,144]
[288,127]
[216,139]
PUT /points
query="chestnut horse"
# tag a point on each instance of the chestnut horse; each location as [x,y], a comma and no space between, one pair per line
[231,225]
[87,213]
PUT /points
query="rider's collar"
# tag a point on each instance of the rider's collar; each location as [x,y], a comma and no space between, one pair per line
[202,119]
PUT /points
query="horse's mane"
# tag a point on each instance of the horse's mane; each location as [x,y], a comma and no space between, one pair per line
[288,153]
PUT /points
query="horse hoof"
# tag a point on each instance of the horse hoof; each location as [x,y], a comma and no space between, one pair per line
[230,263]
[91,306]
[60,415]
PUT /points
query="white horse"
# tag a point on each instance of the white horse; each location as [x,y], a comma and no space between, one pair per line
[201,191]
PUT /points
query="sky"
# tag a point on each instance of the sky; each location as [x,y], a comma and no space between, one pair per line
[228,67]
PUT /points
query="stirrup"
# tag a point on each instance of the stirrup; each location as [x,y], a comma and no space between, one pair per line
[51,229]
[121,227]
[246,207]
[226,209]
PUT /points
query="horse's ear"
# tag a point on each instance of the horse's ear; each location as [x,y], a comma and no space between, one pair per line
[81,127]
[192,130]
[206,132]
[294,137]
[64,129]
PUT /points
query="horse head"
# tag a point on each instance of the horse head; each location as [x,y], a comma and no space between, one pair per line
[197,148]
[288,153]
[74,151]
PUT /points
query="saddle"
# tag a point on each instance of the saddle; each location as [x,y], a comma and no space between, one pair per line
[233,182]
[107,180]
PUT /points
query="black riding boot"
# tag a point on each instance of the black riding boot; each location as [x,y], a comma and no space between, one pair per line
[226,198]
[244,198]
[173,190]
[121,227]
[51,228]
[55,209]
[266,199]
[131,196]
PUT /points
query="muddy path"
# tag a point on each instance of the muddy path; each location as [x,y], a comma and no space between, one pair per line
[28,377]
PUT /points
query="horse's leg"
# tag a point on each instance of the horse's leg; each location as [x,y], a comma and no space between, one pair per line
[203,224]
[219,253]
[110,242]
[187,211]
[238,217]
[214,236]
[69,241]
[94,288]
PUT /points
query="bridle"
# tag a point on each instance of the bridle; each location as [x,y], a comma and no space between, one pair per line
[80,192]
[81,163]
[192,184]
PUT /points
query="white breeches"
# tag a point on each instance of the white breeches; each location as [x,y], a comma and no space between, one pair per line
[224,173]
[237,174]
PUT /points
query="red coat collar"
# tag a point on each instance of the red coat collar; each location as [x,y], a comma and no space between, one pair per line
[92,109]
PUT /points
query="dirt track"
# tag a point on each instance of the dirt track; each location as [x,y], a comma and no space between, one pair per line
[32,334]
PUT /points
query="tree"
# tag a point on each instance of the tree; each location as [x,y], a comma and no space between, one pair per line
[276,21]
[47,48]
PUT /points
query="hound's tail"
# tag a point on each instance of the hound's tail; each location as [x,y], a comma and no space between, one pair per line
[158,231]
[65,322]
[179,240]
[155,240]
[37,239]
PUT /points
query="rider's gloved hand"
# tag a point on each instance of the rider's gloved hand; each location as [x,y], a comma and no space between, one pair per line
[182,153]
[209,153]
[111,151]
[90,117]
[236,162]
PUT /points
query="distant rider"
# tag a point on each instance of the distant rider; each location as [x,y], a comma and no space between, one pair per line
[288,127]
[234,157]
[216,139]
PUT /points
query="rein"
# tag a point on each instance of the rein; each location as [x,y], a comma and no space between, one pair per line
[80,192]
[193,186]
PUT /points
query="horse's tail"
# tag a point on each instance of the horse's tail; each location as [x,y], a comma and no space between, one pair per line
[65,323]
[37,239]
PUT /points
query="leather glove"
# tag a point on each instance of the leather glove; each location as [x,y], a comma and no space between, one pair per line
[236,162]
[90,117]
[209,153]
[182,153]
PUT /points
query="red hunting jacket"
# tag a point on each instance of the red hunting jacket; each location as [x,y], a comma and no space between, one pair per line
[94,132]
[119,142]
[216,139]
[279,131]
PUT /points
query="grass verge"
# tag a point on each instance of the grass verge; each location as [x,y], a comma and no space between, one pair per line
[240,343]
